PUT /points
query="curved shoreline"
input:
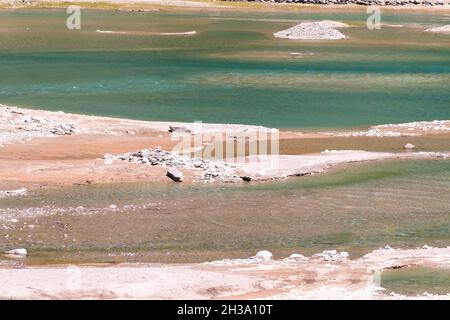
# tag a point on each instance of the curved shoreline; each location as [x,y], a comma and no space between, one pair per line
[79,149]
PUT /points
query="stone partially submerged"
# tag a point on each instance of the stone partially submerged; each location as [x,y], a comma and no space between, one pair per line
[442,29]
[319,30]
[21,252]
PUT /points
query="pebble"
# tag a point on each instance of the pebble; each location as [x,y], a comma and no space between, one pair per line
[18,252]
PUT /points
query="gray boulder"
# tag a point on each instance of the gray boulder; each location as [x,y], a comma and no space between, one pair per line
[175,174]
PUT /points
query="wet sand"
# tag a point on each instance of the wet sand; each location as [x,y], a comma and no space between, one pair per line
[297,277]
[32,156]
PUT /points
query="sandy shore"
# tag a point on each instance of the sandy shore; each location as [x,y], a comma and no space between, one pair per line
[211,5]
[328,275]
[42,148]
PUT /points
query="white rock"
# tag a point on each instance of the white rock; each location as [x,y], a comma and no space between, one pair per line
[18,252]
[409,146]
[332,255]
[264,255]
[297,257]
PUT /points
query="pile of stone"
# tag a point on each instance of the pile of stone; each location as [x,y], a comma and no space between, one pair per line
[211,171]
[16,125]
[362,2]
[319,30]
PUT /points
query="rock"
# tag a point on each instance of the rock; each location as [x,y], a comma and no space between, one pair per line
[18,252]
[175,174]
[264,255]
[108,162]
[332,256]
[13,193]
[409,146]
[244,175]
[179,129]
[198,164]
[297,257]
[145,153]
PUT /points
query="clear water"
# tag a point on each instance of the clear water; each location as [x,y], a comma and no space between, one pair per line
[417,280]
[233,71]
[398,203]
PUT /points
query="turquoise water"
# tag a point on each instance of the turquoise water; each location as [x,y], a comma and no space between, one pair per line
[233,70]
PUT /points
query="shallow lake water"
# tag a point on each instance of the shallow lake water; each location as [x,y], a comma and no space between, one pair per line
[414,281]
[398,203]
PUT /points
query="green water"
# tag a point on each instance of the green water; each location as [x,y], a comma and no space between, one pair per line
[404,204]
[417,280]
[233,70]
